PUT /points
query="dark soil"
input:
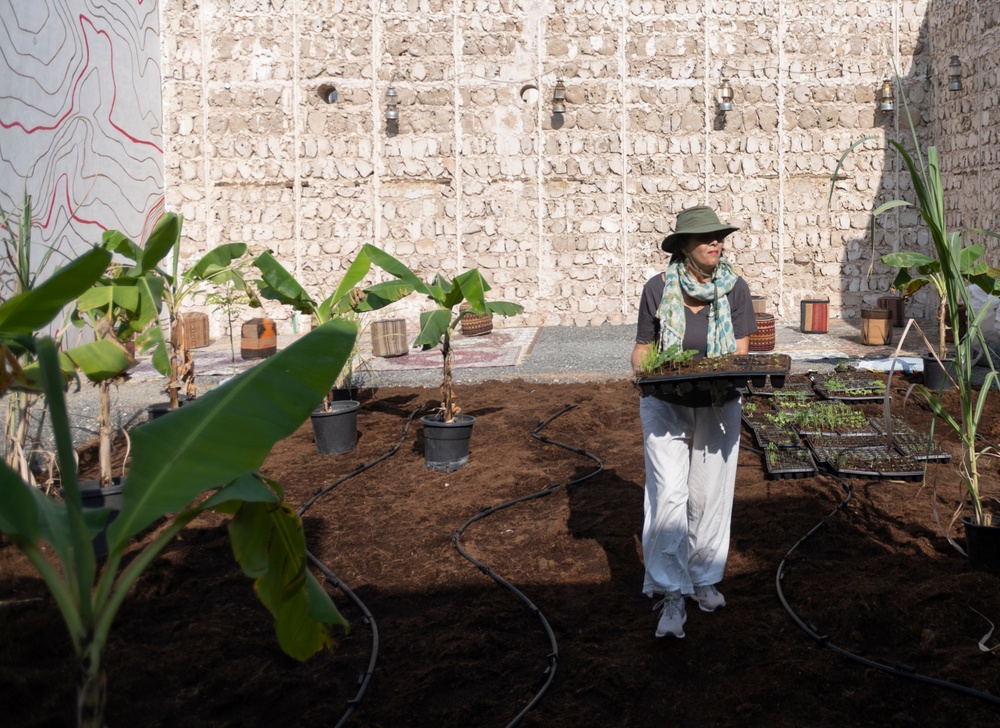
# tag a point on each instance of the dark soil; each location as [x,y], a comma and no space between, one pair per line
[192,646]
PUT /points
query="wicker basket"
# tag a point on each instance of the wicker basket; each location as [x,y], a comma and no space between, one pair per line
[474,324]
[389,338]
[763,338]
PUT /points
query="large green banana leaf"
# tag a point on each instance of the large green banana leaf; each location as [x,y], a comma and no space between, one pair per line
[33,310]
[228,431]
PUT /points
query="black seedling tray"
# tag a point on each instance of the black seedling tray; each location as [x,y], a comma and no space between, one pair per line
[789,462]
[768,389]
[733,369]
[911,443]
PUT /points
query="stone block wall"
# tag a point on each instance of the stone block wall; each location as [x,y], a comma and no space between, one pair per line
[563,213]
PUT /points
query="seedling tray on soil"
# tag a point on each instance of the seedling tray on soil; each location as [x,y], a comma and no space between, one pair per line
[852,390]
[789,462]
[828,448]
[909,442]
[733,370]
[876,463]
[779,436]
[768,389]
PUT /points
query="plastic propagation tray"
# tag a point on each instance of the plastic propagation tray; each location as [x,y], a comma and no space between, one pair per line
[789,462]
[858,388]
[733,370]
[768,389]
[909,442]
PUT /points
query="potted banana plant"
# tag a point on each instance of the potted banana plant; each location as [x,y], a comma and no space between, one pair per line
[334,422]
[448,431]
[218,267]
[951,266]
[123,305]
[204,457]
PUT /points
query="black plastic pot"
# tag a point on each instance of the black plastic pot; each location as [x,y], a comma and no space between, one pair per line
[336,431]
[158,409]
[94,497]
[937,378]
[982,542]
[446,444]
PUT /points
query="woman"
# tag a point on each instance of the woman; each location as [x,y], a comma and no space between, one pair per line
[691,446]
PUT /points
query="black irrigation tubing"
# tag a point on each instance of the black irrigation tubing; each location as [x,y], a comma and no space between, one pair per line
[365,677]
[553,655]
[897,669]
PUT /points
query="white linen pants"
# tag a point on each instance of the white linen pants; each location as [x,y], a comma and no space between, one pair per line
[691,456]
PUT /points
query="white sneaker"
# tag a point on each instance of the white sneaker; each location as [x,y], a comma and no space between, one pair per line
[709,598]
[672,617]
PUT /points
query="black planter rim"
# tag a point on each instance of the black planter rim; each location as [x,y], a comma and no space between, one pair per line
[337,407]
[434,420]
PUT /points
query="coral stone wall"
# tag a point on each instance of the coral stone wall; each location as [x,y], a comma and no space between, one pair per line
[967,122]
[563,213]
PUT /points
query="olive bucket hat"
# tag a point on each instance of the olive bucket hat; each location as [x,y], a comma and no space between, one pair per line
[691,221]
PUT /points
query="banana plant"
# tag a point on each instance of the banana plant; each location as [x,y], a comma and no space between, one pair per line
[346,302]
[218,267]
[437,325]
[951,267]
[203,457]
[123,305]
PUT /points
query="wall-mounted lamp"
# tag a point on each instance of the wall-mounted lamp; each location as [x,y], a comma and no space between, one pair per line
[391,105]
[887,96]
[725,96]
[955,74]
[559,98]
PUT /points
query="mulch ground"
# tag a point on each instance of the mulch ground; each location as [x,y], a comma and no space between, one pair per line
[192,647]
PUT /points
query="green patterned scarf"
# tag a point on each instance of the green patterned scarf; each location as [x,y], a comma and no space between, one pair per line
[721,339]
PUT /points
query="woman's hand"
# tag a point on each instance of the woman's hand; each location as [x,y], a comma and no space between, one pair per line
[639,353]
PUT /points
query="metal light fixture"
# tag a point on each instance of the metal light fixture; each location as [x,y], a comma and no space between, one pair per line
[391,105]
[559,98]
[887,96]
[725,96]
[955,74]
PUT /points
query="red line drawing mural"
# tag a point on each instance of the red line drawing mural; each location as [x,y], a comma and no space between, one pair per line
[80,117]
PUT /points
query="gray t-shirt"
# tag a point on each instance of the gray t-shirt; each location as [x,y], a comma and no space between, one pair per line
[695,329]
[695,324]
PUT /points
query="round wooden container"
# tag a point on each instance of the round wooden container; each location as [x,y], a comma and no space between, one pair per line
[876,326]
[763,338]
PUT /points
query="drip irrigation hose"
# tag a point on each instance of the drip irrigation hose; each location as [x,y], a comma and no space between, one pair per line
[365,677]
[553,656]
[897,669]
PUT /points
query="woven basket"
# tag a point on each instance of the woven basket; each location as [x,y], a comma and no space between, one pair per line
[763,338]
[474,324]
[389,338]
